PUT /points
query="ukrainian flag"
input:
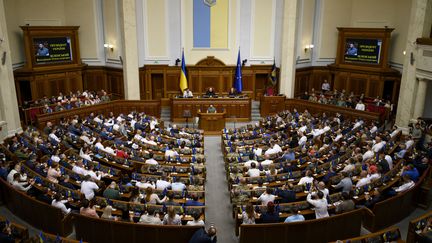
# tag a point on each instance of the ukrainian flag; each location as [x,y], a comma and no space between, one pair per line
[183,77]
[210,23]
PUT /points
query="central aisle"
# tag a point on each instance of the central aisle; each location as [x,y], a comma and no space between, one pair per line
[218,207]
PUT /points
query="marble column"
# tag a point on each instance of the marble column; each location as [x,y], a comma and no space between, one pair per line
[409,86]
[9,116]
[130,50]
[420,98]
[288,55]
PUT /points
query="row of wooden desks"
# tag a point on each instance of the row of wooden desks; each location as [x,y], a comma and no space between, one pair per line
[236,109]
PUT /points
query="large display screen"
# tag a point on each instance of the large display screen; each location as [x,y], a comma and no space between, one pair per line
[48,50]
[365,51]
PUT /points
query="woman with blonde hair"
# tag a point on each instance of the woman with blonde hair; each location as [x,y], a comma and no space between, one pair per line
[249,214]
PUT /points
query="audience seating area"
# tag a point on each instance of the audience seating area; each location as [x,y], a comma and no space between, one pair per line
[108,154]
[391,234]
[290,147]
[420,228]
[300,154]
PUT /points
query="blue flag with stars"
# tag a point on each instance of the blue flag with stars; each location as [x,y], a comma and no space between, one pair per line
[238,83]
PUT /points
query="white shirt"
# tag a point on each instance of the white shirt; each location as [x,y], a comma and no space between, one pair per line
[98,145]
[61,204]
[267,162]
[253,172]
[302,129]
[144,185]
[161,184]
[348,168]
[374,176]
[320,206]
[258,151]
[405,186]
[363,182]
[357,124]
[325,86]
[374,129]
[88,188]
[193,222]
[109,150]
[389,161]
[97,120]
[55,158]
[93,175]
[360,107]
[277,148]
[305,180]
[302,140]
[338,137]
[11,176]
[54,137]
[394,133]
[170,153]
[409,143]
[266,198]
[79,170]
[20,186]
[378,146]
[368,155]
[151,161]
[270,151]
[178,186]
[248,163]
[151,142]
[87,140]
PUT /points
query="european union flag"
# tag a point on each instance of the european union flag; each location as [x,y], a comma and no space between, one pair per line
[238,84]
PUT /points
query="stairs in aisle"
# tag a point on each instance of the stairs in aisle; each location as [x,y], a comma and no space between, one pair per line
[165,113]
[255,112]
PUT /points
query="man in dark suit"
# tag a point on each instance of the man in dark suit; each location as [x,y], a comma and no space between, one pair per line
[210,92]
[203,236]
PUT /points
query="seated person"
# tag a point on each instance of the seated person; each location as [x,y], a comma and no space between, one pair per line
[211,109]
[295,216]
[233,92]
[346,205]
[187,93]
[271,215]
[210,92]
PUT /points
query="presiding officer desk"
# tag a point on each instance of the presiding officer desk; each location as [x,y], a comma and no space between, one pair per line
[236,109]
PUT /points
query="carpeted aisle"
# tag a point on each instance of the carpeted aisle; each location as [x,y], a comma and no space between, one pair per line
[218,206]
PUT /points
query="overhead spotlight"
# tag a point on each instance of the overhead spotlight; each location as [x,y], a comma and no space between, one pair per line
[109,46]
[308,47]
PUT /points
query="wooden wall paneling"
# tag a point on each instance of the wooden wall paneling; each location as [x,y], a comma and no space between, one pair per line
[115,82]
[357,83]
[95,79]
[341,81]
[144,94]
[375,87]
[157,83]
[172,82]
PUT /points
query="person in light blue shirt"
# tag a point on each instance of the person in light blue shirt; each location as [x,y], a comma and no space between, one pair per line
[295,217]
[289,155]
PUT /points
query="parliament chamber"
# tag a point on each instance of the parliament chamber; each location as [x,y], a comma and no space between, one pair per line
[215,121]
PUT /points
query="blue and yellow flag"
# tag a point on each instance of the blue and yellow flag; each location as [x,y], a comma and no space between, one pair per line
[183,76]
[273,77]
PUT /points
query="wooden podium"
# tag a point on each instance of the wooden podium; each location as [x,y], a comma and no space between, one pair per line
[270,105]
[211,123]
